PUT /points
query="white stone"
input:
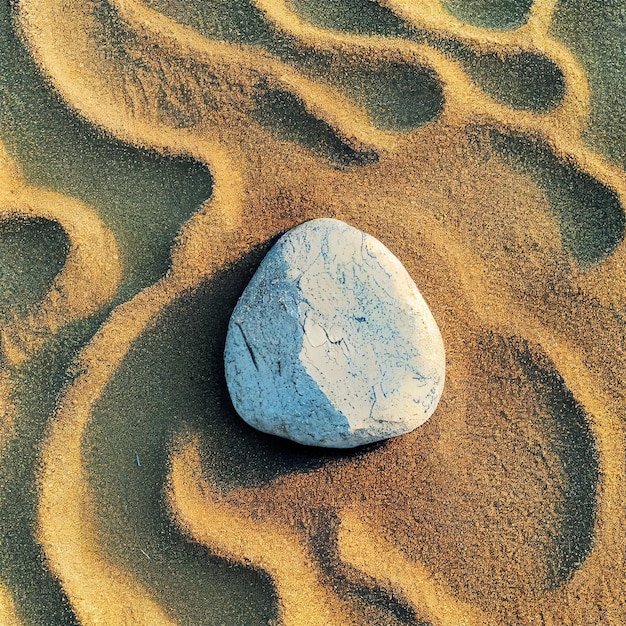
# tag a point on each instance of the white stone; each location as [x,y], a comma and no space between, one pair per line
[331,344]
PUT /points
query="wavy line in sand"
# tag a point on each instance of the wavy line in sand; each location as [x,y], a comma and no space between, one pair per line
[100,592]
[462,97]
[303,599]
[349,120]
[110,110]
[88,280]
[397,573]
[533,36]
[465,103]
[564,126]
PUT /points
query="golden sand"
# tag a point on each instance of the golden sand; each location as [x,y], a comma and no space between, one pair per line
[89,277]
[429,597]
[522,323]
[88,280]
[7,608]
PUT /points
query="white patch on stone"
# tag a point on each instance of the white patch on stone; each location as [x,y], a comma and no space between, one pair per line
[331,343]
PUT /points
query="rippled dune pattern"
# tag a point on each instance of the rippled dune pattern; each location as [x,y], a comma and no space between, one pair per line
[152,151]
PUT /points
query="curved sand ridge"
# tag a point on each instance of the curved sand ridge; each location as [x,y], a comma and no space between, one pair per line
[88,280]
[561,127]
[465,103]
[99,591]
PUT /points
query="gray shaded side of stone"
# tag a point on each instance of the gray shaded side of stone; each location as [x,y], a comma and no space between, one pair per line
[264,324]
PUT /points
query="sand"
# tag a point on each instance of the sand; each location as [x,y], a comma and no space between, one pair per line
[507,506]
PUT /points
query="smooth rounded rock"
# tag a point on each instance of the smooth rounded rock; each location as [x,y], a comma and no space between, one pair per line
[331,344]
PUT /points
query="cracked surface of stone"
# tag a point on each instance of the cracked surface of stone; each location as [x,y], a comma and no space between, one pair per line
[331,344]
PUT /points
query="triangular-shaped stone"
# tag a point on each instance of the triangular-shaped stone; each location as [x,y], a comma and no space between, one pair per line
[331,343]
